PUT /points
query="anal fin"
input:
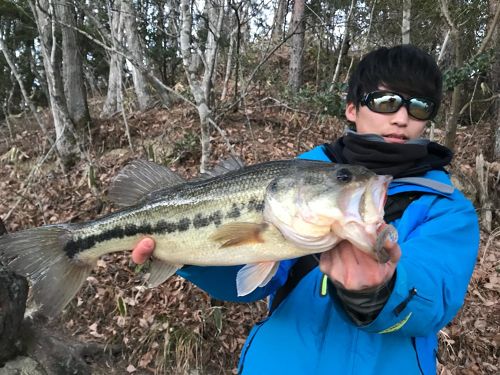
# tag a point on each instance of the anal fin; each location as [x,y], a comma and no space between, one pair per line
[160,272]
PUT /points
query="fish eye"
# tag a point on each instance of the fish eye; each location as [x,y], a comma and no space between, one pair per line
[344,175]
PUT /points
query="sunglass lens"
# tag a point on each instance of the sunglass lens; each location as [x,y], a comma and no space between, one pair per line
[421,109]
[385,102]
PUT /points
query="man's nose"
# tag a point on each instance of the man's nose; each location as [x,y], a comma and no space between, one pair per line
[400,117]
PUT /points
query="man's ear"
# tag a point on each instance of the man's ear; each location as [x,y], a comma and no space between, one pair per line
[351,112]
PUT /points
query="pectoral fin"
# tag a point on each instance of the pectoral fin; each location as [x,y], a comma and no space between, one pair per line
[160,272]
[252,276]
[235,234]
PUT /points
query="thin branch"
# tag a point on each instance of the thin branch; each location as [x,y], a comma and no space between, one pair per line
[223,135]
[244,91]
[365,42]
[443,47]
[488,36]
[446,14]
[491,98]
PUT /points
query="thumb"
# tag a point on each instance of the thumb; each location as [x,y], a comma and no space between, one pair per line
[143,250]
[393,249]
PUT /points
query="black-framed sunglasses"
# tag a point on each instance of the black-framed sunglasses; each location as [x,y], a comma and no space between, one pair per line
[389,102]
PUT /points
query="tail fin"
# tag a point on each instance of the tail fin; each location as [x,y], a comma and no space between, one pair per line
[39,255]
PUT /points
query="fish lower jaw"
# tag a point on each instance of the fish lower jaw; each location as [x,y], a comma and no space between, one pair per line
[361,235]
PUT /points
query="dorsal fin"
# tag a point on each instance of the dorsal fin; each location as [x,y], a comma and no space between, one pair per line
[224,166]
[138,179]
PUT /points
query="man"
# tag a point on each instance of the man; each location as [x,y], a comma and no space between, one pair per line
[352,314]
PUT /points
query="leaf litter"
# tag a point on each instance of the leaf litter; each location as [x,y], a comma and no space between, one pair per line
[176,328]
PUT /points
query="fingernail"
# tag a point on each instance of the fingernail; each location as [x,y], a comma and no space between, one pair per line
[149,243]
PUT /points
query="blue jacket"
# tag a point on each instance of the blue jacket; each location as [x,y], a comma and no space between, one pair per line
[310,333]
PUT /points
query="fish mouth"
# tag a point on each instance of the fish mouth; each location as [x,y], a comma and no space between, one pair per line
[379,192]
[364,214]
[365,205]
[375,197]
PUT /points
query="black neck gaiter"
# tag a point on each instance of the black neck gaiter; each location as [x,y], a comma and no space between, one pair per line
[398,160]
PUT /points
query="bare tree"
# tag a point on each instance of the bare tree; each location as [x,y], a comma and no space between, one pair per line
[72,77]
[280,12]
[19,80]
[44,14]
[297,50]
[136,51]
[194,58]
[343,44]
[457,96]
[369,29]
[113,102]
[495,76]
[230,52]
[405,24]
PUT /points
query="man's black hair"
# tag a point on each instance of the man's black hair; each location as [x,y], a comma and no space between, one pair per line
[405,69]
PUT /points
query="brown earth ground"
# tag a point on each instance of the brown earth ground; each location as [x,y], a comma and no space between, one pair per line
[176,328]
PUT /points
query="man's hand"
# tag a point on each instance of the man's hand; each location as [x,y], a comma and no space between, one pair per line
[355,270]
[143,250]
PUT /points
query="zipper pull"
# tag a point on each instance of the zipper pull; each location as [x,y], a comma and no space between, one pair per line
[412,292]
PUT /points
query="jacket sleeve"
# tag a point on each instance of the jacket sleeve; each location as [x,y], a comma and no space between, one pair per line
[439,239]
[220,282]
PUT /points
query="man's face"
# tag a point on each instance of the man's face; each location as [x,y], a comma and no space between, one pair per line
[397,127]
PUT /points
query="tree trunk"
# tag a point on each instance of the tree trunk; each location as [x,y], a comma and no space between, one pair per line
[368,31]
[456,98]
[112,104]
[342,48]
[278,31]
[495,83]
[136,51]
[19,80]
[229,63]
[201,88]
[13,294]
[73,82]
[457,95]
[297,51]
[66,146]
[405,24]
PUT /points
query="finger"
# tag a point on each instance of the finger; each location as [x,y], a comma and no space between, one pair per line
[386,233]
[326,261]
[143,250]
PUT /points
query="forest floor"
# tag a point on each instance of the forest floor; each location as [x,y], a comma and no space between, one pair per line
[176,328]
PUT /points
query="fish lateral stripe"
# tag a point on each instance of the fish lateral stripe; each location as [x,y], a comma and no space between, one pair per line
[77,245]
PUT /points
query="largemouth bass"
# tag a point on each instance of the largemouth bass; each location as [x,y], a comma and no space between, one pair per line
[253,216]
